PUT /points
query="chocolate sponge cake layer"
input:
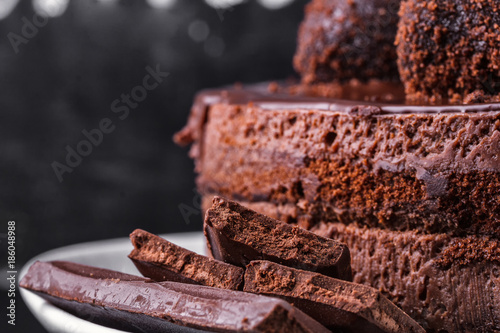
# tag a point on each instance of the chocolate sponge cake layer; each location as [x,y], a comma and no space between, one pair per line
[388,165]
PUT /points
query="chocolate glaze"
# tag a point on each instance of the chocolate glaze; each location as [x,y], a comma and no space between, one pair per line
[140,305]
[374,98]
[387,97]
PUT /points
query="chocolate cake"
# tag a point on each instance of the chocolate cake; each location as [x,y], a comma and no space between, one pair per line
[374,162]
[407,175]
[238,235]
[344,39]
[141,305]
[450,50]
[334,303]
[392,165]
[161,260]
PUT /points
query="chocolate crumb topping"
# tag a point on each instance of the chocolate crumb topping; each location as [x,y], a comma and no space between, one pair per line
[448,49]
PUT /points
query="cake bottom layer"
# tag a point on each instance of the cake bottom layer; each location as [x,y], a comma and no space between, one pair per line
[447,284]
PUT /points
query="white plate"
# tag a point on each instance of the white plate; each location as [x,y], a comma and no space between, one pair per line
[111,254]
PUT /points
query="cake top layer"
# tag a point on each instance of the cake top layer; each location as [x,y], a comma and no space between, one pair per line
[356,98]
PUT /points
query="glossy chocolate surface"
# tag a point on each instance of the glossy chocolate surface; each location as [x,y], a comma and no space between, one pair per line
[382,97]
[140,305]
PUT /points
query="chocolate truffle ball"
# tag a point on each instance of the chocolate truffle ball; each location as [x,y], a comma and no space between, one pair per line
[344,39]
[449,50]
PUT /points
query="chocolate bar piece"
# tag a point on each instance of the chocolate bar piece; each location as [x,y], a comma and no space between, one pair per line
[160,260]
[238,235]
[334,303]
[137,304]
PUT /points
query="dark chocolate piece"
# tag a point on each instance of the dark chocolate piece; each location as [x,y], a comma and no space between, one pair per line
[138,305]
[450,49]
[161,260]
[335,303]
[343,39]
[238,235]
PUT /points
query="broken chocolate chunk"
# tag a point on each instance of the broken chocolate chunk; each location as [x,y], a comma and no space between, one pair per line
[334,303]
[161,260]
[238,235]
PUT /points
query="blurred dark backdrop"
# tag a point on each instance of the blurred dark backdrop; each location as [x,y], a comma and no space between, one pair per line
[61,78]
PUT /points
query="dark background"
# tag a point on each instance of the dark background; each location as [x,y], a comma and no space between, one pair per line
[64,79]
